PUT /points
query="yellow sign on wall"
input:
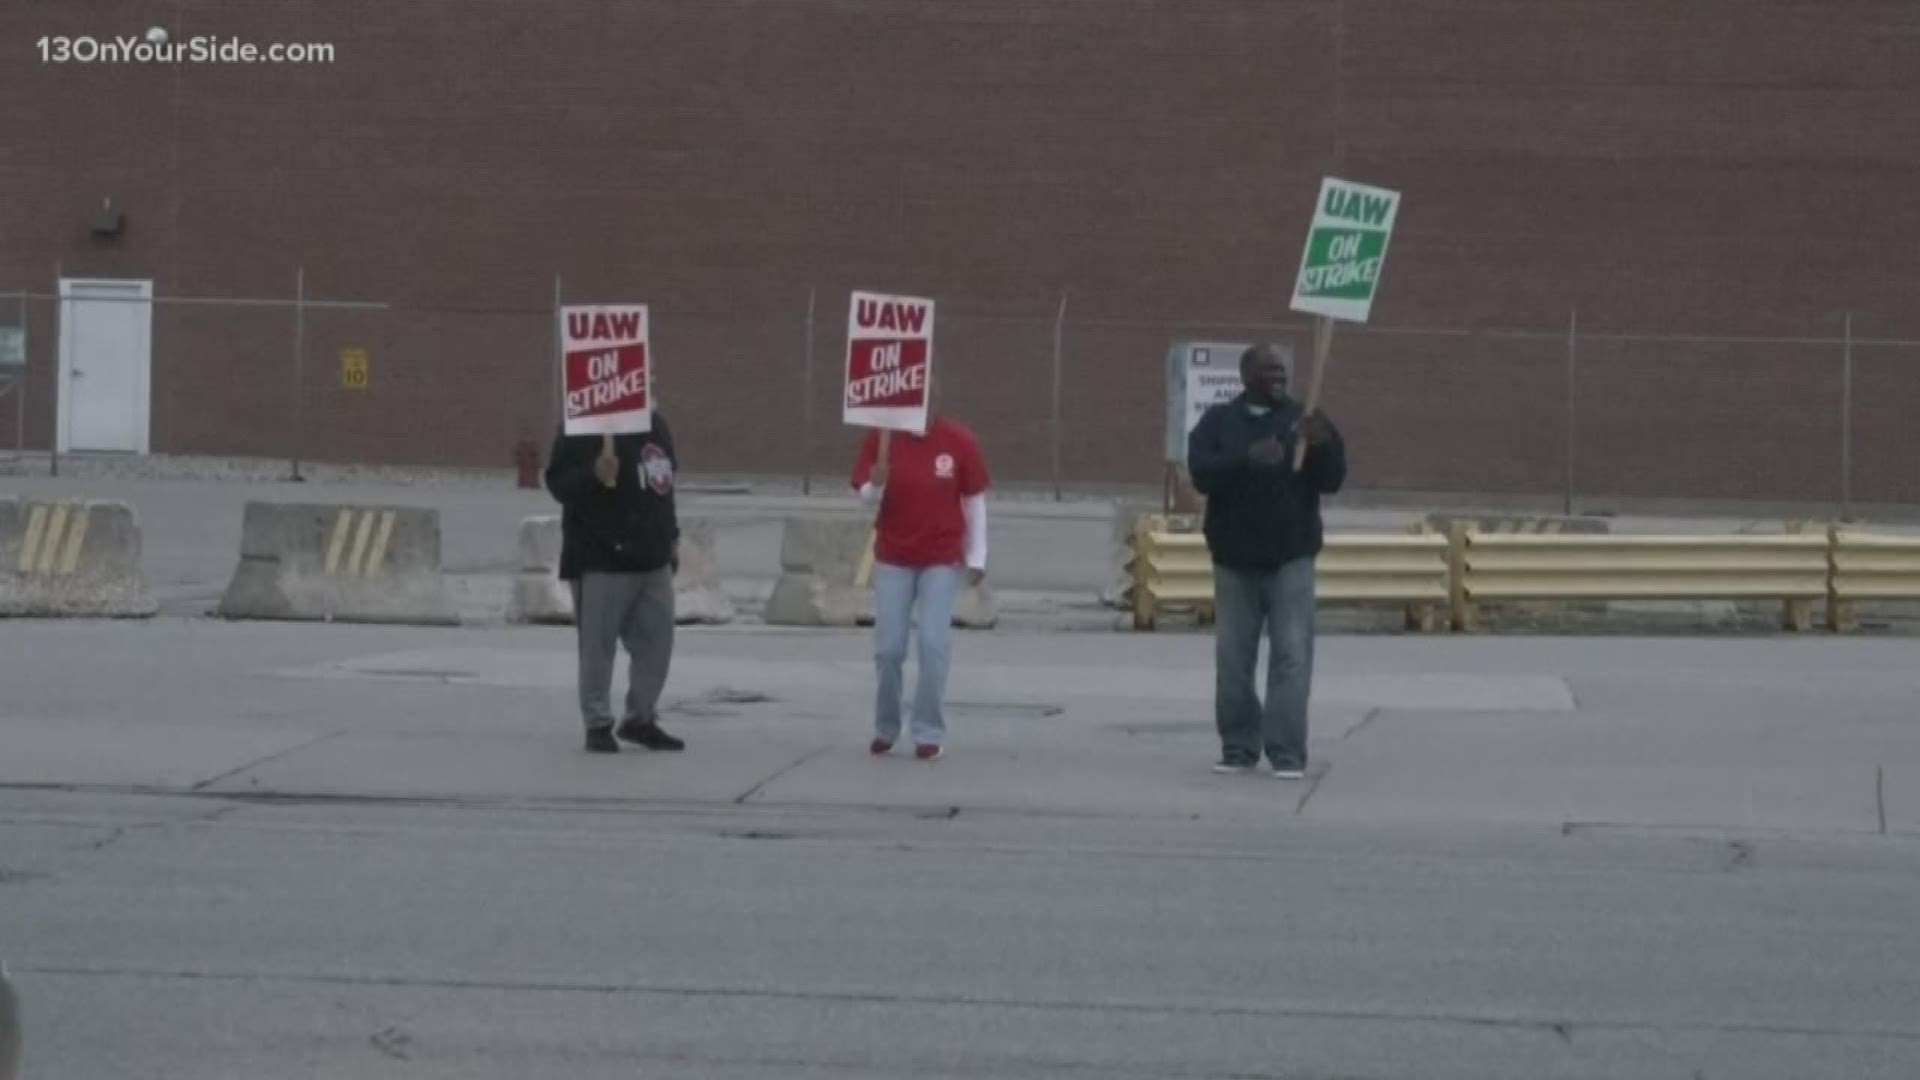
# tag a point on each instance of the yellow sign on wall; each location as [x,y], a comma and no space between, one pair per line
[353,368]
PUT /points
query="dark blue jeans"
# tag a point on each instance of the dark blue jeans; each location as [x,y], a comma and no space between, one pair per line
[1279,603]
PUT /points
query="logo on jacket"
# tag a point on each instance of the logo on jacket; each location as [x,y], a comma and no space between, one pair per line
[943,466]
[657,469]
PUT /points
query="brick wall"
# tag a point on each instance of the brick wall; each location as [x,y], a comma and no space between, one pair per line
[1717,167]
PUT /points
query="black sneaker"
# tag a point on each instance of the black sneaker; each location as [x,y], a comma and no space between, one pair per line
[600,740]
[649,736]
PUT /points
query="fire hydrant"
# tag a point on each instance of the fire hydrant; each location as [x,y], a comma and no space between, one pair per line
[526,458]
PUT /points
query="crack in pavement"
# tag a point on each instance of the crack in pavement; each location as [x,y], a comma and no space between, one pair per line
[115,834]
[989,1065]
[275,756]
[1880,795]
[1313,785]
[756,789]
[1560,1028]
[1372,715]
[663,807]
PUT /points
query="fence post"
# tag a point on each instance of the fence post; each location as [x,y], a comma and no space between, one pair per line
[1846,423]
[806,480]
[557,377]
[299,367]
[61,323]
[1572,415]
[1059,349]
[20,407]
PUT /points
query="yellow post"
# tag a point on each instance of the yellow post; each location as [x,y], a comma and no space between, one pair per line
[1796,615]
[1841,617]
[1465,618]
[1143,614]
[1421,616]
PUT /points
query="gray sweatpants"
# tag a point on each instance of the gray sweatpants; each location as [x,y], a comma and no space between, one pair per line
[635,610]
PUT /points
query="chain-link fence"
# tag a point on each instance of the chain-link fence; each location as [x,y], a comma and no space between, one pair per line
[1062,398]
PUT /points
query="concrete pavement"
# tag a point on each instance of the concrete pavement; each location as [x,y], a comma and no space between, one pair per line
[1728,734]
[281,850]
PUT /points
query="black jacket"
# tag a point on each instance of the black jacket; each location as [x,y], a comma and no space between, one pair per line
[1261,516]
[631,527]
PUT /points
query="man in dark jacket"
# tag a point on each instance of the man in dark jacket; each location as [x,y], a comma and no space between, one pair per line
[1264,530]
[620,548]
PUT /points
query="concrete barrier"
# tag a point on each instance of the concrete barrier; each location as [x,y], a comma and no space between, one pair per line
[977,609]
[1118,591]
[826,573]
[826,579]
[76,559]
[363,564]
[539,596]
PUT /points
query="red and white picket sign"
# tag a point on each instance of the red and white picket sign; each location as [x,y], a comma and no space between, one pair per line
[609,371]
[889,362]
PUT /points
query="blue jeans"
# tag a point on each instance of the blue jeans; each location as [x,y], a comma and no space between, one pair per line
[895,592]
[1280,603]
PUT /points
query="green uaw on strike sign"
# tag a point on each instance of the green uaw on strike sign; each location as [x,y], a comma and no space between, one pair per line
[1346,247]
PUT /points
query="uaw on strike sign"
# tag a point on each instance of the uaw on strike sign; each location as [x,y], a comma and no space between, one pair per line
[889,362]
[1346,250]
[609,379]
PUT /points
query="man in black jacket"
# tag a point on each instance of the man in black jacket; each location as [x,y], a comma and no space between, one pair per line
[620,548]
[1264,530]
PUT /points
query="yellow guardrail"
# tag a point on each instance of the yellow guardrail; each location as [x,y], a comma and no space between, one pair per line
[1414,570]
[1791,567]
[1175,570]
[1431,573]
[1170,570]
[1869,567]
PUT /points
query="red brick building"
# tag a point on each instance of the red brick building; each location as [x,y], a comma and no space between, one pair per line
[1733,178]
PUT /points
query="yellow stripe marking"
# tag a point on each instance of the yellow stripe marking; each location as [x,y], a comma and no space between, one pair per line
[378,556]
[354,566]
[341,524]
[50,543]
[76,539]
[36,524]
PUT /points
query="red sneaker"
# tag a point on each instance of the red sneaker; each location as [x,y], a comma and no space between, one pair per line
[929,753]
[879,746]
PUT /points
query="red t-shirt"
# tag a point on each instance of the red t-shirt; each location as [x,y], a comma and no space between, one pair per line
[921,520]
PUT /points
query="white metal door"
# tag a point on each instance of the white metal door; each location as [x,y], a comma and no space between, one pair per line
[106,364]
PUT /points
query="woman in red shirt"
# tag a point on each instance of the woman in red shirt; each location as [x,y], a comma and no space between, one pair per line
[930,538]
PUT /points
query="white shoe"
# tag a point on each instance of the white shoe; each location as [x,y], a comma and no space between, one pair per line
[1226,768]
[1289,774]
